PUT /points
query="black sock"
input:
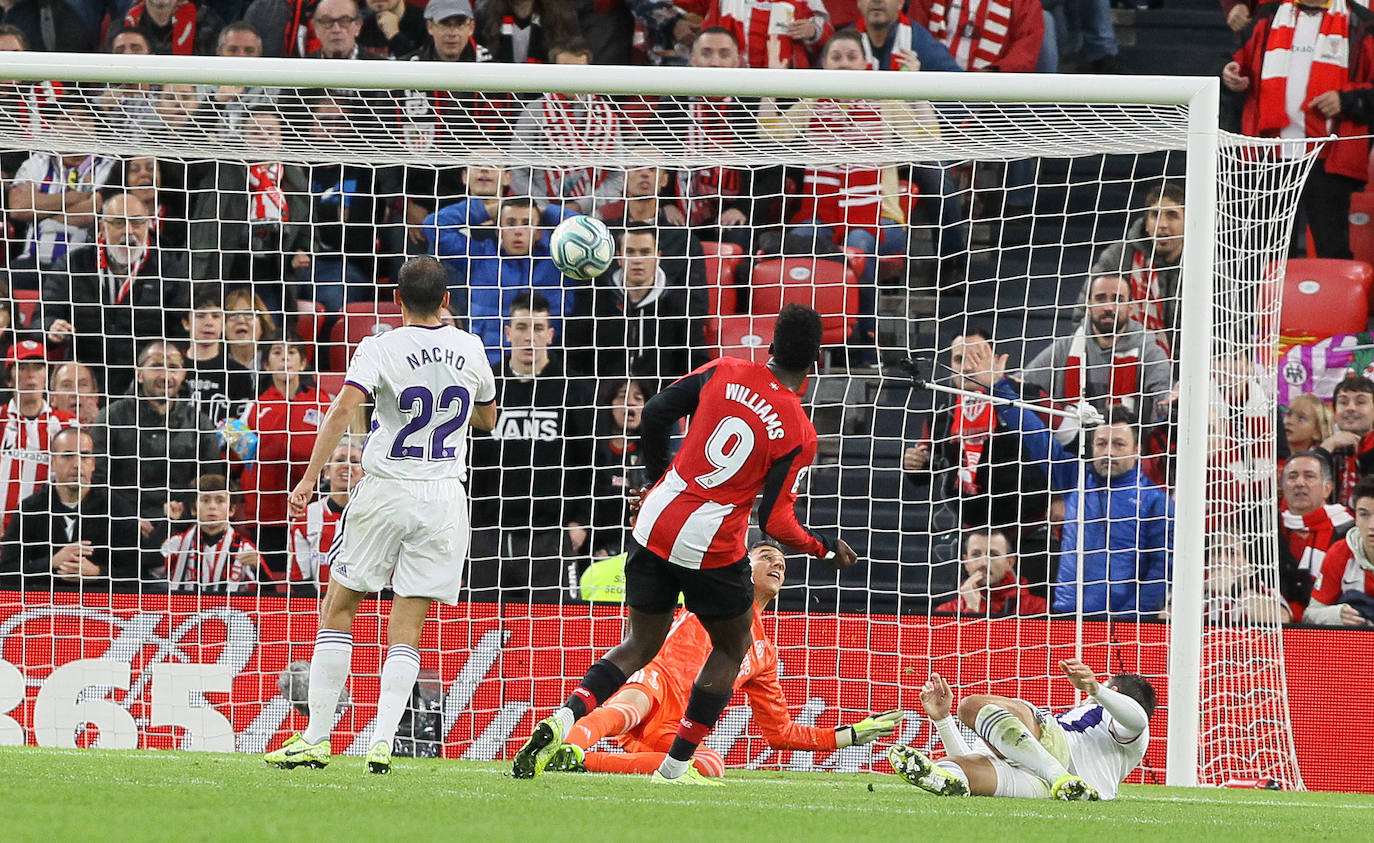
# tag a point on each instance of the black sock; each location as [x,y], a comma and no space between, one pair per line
[703,710]
[602,680]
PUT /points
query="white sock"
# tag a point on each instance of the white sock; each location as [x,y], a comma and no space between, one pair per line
[329,667]
[671,768]
[398,679]
[953,769]
[1004,732]
[564,716]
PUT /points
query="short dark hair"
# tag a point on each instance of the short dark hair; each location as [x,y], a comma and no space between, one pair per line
[797,337]
[842,35]
[1363,489]
[14,32]
[1328,473]
[531,301]
[716,30]
[128,30]
[422,283]
[1138,688]
[1123,415]
[639,228]
[989,532]
[1171,190]
[517,202]
[79,431]
[230,28]
[981,332]
[570,47]
[1353,383]
[208,296]
[217,483]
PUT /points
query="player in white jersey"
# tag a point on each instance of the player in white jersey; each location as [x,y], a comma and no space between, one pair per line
[407,520]
[1083,754]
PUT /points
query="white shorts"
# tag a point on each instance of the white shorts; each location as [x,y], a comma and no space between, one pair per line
[412,534]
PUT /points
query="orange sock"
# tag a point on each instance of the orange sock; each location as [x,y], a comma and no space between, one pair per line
[608,720]
[643,763]
[708,762]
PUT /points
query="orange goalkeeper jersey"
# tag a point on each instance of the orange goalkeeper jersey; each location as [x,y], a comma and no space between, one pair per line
[667,680]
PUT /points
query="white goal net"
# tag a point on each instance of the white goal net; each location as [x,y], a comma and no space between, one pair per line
[193,253]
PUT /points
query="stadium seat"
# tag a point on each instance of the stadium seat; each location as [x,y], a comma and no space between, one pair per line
[741,335]
[722,259]
[309,319]
[359,320]
[331,382]
[1322,298]
[1362,228]
[25,303]
[828,286]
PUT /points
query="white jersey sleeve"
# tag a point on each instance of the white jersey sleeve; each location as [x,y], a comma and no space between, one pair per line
[423,382]
[1098,755]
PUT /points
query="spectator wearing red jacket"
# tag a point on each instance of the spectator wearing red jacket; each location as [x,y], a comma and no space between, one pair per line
[989,35]
[992,588]
[1344,593]
[287,418]
[786,28]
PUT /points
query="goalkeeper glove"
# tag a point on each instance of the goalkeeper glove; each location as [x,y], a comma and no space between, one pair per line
[868,729]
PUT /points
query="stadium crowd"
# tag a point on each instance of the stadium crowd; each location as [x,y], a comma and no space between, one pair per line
[167,337]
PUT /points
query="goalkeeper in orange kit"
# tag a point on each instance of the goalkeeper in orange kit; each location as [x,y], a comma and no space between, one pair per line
[643,715]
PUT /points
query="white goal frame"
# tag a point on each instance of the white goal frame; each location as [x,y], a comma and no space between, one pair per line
[1199,95]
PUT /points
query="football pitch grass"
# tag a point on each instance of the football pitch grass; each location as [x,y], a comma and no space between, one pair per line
[59,795]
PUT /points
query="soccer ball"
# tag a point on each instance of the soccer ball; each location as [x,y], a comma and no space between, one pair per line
[582,247]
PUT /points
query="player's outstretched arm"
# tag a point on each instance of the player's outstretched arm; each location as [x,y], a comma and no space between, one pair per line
[1130,719]
[937,698]
[341,412]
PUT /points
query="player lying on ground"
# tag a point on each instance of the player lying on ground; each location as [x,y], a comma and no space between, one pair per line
[749,437]
[407,519]
[1083,754]
[643,716]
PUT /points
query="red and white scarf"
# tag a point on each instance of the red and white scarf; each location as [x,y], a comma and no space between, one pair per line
[1125,377]
[118,290]
[974,422]
[183,25]
[1310,536]
[191,563]
[901,42]
[593,133]
[267,202]
[1330,67]
[975,31]
[1149,306]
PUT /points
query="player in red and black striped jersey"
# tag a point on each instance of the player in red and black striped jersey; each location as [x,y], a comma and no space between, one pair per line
[27,425]
[312,532]
[748,437]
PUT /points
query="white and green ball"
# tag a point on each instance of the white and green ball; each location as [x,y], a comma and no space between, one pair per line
[582,247]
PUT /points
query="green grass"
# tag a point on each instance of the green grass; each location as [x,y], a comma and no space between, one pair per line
[91,795]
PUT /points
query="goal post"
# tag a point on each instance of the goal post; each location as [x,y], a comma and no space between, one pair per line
[982,118]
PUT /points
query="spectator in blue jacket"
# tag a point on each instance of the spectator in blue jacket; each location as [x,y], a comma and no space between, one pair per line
[488,265]
[1126,523]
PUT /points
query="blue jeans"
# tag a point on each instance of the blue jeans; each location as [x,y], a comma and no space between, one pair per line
[1091,20]
[93,12]
[939,192]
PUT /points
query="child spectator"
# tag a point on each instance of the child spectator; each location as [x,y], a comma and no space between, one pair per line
[1308,422]
[1233,592]
[27,423]
[287,418]
[312,534]
[618,467]
[211,556]
[221,387]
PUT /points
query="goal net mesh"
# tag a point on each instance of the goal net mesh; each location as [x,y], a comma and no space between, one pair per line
[915,228]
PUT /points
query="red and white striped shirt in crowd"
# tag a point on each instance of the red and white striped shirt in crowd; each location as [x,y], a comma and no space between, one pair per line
[24,451]
[844,195]
[198,562]
[753,21]
[312,536]
[1003,35]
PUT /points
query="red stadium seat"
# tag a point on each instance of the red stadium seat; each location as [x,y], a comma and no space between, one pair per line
[309,319]
[1362,228]
[828,286]
[359,319]
[741,335]
[722,259]
[331,382]
[25,303]
[1322,298]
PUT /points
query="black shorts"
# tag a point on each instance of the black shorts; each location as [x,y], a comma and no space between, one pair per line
[652,585]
